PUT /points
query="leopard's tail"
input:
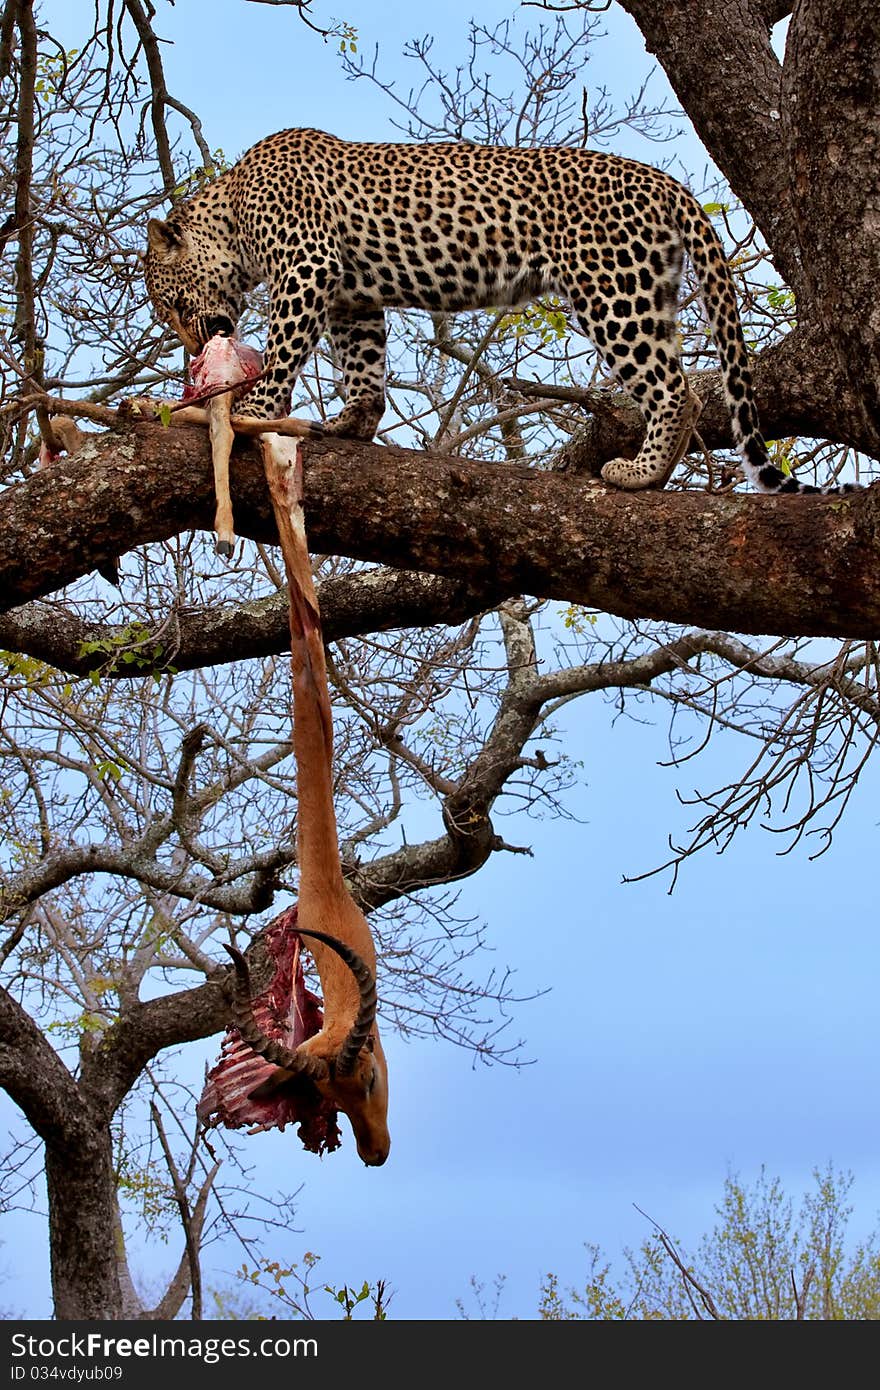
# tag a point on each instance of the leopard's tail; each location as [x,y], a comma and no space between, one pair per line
[704,247]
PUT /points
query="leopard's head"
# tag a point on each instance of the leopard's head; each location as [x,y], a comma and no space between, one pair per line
[193,283]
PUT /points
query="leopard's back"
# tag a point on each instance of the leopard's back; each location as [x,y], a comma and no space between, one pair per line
[342,230]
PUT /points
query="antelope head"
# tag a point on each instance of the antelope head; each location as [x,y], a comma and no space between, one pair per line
[355,1080]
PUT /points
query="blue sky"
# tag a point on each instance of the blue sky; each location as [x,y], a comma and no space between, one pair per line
[683,1037]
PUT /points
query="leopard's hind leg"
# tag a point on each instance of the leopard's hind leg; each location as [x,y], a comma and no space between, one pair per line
[635,330]
[358,342]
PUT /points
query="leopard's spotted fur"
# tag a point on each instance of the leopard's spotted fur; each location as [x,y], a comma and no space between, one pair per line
[341,231]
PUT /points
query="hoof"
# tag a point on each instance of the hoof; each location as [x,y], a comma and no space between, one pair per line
[225,548]
[108,569]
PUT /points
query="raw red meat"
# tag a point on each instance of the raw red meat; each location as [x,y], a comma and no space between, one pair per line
[286,1010]
[221,362]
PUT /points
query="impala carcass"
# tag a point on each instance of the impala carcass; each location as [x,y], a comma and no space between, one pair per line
[343,1061]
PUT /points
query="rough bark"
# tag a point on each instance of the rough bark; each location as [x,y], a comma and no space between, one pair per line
[73,1120]
[720,63]
[80,1177]
[748,563]
[831,101]
[81,1189]
[800,146]
[142,1032]
[801,389]
[34,1075]
[351,605]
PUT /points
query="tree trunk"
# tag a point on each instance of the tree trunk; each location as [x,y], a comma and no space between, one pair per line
[81,1188]
[832,96]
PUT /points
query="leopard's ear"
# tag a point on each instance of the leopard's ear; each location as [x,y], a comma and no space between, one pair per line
[162,238]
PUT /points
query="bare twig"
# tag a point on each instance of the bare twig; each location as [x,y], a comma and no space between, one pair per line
[691,1282]
[159,98]
[180,1196]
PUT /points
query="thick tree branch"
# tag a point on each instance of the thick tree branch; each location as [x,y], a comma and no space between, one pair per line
[727,77]
[159,97]
[351,605]
[145,1030]
[245,887]
[831,100]
[790,566]
[800,389]
[33,1074]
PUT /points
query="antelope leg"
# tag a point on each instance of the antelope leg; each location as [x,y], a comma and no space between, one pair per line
[144,406]
[221,435]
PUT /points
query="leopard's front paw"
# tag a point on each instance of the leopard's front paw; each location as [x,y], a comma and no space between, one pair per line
[358,419]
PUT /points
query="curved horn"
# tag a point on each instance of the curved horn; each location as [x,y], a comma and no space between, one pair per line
[366,1017]
[291,1059]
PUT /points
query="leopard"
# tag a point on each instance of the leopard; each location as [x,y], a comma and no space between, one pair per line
[340,231]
